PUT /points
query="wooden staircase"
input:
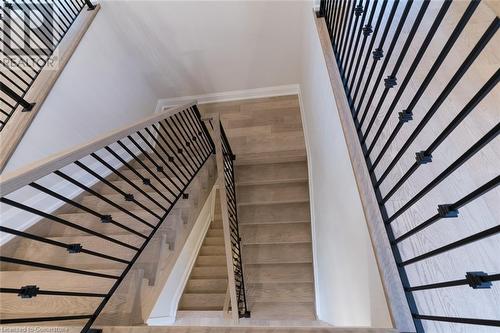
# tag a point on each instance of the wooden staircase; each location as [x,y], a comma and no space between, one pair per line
[276,236]
[131,303]
[207,284]
[273,205]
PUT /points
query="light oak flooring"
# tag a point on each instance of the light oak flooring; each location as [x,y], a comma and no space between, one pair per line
[273,205]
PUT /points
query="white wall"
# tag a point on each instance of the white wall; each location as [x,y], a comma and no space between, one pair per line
[137,52]
[348,287]
[100,89]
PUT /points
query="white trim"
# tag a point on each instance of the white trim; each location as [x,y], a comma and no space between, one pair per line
[226,96]
[311,204]
[165,309]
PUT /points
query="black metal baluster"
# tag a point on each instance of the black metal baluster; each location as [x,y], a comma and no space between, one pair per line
[391,80]
[178,150]
[366,30]
[165,163]
[343,31]
[200,131]
[157,166]
[451,208]
[428,78]
[60,244]
[378,54]
[367,56]
[468,108]
[149,171]
[476,51]
[103,217]
[356,31]
[336,38]
[195,133]
[191,136]
[184,135]
[418,57]
[101,197]
[119,190]
[354,10]
[204,128]
[492,134]
[62,221]
[170,158]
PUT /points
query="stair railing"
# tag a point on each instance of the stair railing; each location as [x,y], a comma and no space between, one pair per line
[36,40]
[358,30]
[229,209]
[165,151]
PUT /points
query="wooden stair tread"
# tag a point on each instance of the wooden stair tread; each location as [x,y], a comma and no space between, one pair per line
[275,173]
[273,193]
[206,286]
[201,301]
[275,233]
[278,273]
[277,253]
[274,212]
[283,292]
[282,310]
[211,272]
[214,260]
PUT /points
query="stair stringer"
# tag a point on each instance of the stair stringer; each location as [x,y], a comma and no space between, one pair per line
[165,309]
[165,249]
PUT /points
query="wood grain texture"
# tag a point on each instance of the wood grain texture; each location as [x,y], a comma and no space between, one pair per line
[273,205]
[393,287]
[15,128]
[224,209]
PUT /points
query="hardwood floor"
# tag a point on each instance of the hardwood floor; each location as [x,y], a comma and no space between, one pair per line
[273,205]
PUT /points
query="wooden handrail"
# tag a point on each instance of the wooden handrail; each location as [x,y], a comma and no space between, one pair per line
[231,284]
[13,181]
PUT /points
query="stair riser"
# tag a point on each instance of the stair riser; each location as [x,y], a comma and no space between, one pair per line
[275,233]
[295,192]
[274,213]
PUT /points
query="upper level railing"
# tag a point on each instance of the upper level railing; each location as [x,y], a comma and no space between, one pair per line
[229,208]
[37,38]
[380,47]
[30,33]
[164,152]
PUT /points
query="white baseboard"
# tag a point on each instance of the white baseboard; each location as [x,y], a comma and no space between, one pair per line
[226,96]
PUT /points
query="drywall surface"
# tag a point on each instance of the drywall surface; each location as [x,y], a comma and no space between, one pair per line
[137,52]
[100,89]
[349,291]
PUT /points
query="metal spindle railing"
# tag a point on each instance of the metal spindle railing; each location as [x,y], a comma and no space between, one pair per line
[29,34]
[375,38]
[165,152]
[227,184]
